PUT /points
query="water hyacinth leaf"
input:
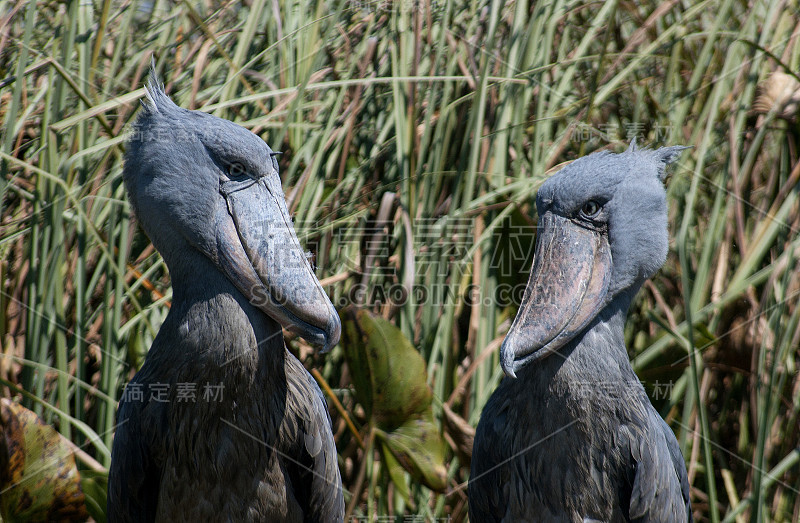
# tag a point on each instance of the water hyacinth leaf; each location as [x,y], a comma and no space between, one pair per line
[40,481]
[420,449]
[391,384]
[396,472]
[388,373]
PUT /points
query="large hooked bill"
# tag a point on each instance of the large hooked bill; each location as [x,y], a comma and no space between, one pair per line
[258,249]
[566,289]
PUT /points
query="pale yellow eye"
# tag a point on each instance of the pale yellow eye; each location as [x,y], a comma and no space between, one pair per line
[590,209]
[236,169]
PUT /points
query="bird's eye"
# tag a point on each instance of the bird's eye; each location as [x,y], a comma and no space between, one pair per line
[590,209]
[236,169]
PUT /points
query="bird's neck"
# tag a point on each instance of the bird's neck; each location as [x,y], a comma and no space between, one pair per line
[596,356]
[608,329]
[213,333]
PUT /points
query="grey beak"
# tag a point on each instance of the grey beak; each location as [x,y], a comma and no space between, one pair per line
[258,249]
[566,289]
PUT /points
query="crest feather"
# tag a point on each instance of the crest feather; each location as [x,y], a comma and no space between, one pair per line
[662,156]
[156,101]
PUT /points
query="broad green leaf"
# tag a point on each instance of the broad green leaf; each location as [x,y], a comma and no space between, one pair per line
[388,373]
[395,471]
[420,449]
[391,384]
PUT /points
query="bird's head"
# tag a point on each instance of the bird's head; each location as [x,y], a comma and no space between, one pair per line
[201,183]
[602,232]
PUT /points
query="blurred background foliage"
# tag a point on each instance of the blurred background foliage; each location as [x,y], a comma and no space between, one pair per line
[415,135]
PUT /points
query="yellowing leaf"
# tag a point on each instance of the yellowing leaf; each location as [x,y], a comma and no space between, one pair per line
[38,477]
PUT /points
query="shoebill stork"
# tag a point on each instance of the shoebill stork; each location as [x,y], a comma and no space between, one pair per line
[222,423]
[570,434]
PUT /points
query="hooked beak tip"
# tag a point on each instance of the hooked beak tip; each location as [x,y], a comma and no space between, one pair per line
[507,356]
[333,331]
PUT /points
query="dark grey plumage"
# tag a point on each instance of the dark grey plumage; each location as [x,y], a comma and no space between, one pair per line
[254,443]
[574,437]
